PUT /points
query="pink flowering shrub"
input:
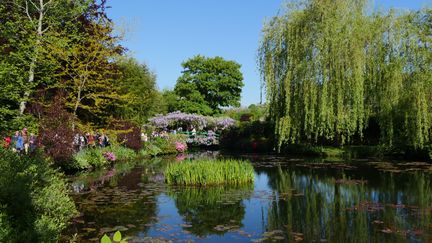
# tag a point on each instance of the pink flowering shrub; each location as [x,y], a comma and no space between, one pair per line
[180,147]
[110,156]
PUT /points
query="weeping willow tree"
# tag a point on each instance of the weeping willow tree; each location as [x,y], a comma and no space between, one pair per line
[329,67]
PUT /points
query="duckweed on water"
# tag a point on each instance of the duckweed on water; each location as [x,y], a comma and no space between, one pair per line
[209,172]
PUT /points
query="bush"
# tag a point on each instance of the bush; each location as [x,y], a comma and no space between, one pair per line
[150,149]
[159,146]
[209,172]
[35,206]
[94,157]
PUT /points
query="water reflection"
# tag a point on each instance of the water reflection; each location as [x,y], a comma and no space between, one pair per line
[292,200]
[121,198]
[211,210]
[340,208]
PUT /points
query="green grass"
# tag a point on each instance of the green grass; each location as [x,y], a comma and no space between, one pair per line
[209,172]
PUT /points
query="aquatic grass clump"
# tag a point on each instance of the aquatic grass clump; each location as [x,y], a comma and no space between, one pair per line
[209,172]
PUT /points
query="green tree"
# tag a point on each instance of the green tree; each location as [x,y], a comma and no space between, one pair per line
[26,26]
[169,101]
[207,84]
[329,68]
[87,71]
[138,84]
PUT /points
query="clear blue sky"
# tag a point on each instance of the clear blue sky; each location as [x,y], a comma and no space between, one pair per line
[164,33]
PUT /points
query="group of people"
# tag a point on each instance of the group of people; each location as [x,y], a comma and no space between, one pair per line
[21,142]
[165,133]
[161,134]
[90,140]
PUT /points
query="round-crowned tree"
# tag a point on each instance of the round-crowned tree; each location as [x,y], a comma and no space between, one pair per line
[207,84]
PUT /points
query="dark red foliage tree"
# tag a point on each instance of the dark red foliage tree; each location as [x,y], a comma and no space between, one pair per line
[128,134]
[56,134]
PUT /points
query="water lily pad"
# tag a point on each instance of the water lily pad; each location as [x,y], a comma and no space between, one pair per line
[117,236]
[89,229]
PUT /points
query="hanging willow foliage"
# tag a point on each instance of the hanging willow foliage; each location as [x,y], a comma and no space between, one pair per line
[329,67]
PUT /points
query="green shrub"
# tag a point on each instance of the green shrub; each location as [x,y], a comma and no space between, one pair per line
[5,227]
[88,158]
[209,172]
[121,152]
[93,157]
[160,146]
[35,202]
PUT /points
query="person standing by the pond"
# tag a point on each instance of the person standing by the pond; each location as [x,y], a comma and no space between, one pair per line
[193,132]
[90,140]
[19,142]
[6,142]
[32,142]
[14,139]
[144,137]
[76,142]
[25,137]
[101,140]
[82,142]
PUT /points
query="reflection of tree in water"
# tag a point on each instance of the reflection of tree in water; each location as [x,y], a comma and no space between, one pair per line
[149,168]
[394,209]
[116,199]
[211,210]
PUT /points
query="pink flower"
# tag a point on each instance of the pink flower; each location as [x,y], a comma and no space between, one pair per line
[110,156]
[180,147]
[180,157]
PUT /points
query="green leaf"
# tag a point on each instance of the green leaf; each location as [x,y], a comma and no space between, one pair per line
[117,236]
[123,241]
[105,239]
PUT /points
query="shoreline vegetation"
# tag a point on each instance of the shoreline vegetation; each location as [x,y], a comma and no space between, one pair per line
[34,202]
[209,173]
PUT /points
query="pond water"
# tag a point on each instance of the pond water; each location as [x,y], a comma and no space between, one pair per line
[291,200]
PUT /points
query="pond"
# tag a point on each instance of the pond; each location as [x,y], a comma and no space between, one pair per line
[291,200]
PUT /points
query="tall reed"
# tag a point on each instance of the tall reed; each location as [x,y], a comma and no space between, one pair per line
[209,172]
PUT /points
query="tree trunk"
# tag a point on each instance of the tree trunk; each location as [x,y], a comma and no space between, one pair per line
[76,108]
[78,101]
[39,33]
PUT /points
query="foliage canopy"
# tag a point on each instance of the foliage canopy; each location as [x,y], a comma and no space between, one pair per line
[330,69]
[207,84]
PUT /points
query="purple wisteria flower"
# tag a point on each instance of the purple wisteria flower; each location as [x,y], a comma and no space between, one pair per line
[179,119]
[223,123]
